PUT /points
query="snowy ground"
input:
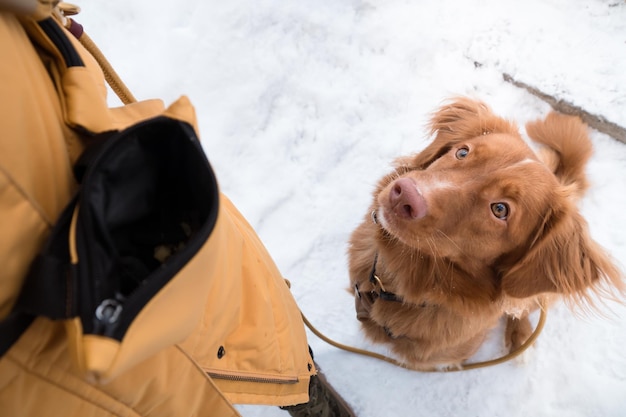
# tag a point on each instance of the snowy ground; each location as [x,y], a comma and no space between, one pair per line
[303,105]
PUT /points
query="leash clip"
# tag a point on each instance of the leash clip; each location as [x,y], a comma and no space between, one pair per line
[380,283]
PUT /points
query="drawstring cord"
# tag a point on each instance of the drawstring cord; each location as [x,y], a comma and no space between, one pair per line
[111,77]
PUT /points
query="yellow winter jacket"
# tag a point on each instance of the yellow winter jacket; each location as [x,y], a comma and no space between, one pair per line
[246,342]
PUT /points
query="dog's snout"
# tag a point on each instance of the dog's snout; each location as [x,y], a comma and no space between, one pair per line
[405,199]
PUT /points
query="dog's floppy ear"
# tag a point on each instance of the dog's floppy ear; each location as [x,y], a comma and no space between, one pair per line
[563,259]
[566,148]
[458,120]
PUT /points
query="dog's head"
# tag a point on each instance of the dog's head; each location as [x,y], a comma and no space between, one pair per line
[478,196]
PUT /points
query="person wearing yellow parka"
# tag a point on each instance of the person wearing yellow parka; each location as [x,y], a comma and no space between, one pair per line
[235,333]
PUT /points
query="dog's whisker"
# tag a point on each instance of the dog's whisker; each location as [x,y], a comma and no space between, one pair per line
[441,233]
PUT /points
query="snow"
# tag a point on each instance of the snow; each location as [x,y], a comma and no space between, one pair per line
[304,104]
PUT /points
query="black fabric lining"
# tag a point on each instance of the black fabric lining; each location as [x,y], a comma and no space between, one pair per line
[63,44]
[11,328]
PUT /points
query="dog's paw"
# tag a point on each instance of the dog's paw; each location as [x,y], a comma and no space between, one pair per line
[518,330]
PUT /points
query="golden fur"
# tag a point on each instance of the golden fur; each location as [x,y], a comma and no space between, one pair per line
[475,227]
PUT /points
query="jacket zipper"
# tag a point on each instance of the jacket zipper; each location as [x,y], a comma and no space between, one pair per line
[250,378]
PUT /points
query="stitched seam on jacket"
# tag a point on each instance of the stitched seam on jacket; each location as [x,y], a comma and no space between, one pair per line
[36,207]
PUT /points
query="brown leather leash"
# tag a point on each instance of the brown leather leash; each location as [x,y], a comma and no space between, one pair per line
[463,367]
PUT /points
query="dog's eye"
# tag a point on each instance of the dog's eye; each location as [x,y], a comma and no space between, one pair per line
[461,153]
[500,210]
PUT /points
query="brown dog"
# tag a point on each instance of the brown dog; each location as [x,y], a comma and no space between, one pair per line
[474,227]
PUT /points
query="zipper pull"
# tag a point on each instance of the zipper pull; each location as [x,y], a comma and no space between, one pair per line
[107,315]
